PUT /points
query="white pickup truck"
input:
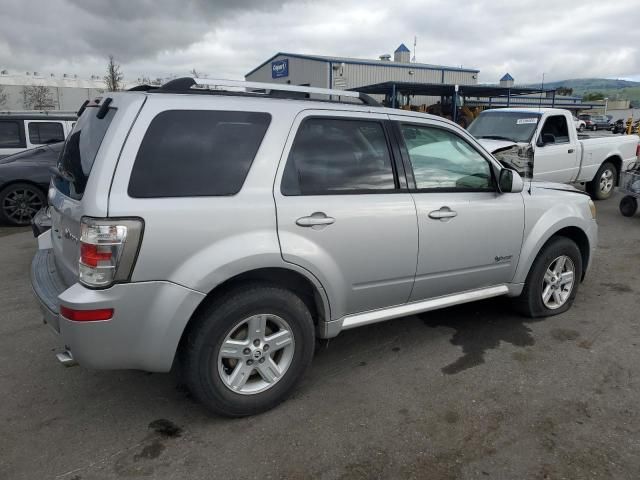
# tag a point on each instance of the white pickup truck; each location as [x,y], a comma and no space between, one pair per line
[542,143]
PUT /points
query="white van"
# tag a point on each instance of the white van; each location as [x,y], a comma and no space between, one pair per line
[20,131]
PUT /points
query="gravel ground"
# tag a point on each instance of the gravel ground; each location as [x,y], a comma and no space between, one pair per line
[468,392]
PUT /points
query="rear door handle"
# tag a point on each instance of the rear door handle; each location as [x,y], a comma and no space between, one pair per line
[444,214]
[315,219]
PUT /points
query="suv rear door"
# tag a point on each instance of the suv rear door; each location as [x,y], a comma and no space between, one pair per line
[86,167]
[343,211]
[470,234]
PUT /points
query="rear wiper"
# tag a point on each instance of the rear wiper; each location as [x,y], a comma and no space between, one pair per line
[496,137]
[60,174]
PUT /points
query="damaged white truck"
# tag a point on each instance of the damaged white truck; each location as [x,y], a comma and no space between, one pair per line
[542,144]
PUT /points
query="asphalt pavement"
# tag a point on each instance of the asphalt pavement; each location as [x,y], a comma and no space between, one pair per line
[469,392]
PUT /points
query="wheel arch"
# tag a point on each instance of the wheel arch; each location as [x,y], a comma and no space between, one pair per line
[40,187]
[309,289]
[617,162]
[579,237]
[566,228]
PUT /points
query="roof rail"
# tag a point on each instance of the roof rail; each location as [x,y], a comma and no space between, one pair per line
[42,113]
[186,84]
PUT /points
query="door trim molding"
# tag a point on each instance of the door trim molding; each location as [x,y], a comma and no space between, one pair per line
[374,316]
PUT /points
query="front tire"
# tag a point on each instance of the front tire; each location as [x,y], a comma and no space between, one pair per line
[594,128]
[552,283]
[581,128]
[601,187]
[248,350]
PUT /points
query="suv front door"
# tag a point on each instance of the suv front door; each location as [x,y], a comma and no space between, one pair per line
[470,234]
[343,212]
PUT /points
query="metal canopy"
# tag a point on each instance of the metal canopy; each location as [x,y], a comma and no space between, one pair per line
[392,89]
[443,89]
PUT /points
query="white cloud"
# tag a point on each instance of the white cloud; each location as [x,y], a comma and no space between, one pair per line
[567,39]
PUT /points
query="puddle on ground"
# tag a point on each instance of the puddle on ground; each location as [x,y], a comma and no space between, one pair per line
[480,326]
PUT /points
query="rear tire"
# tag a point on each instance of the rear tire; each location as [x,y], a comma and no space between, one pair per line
[628,206]
[594,128]
[544,273]
[19,202]
[241,382]
[602,185]
[581,128]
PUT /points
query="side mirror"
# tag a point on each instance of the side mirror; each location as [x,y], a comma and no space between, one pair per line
[510,181]
[546,139]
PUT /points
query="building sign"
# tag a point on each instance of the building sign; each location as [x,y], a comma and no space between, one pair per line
[280,68]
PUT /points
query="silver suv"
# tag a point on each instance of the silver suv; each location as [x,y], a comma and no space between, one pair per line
[221,227]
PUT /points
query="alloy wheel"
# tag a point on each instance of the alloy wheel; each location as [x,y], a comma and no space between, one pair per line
[256,354]
[20,205]
[606,181]
[558,282]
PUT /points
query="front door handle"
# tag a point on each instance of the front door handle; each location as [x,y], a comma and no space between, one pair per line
[571,150]
[443,214]
[314,220]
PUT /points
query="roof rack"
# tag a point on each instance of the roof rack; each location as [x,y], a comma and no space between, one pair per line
[193,85]
[41,113]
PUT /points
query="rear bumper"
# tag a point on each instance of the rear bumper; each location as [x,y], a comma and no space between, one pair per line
[148,320]
[47,285]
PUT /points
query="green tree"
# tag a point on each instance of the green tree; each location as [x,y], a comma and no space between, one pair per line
[564,91]
[591,96]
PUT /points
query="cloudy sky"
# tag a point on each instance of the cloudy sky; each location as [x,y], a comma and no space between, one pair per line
[227,38]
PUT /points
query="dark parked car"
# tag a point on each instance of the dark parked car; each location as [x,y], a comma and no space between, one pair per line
[24,180]
[595,122]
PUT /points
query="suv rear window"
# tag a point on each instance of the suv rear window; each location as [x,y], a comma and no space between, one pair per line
[80,150]
[187,153]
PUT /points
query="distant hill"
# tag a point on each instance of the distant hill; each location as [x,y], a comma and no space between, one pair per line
[614,89]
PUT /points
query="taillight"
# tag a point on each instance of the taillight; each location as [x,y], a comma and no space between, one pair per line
[638,151]
[108,249]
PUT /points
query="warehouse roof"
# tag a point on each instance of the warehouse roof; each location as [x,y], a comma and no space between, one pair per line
[360,61]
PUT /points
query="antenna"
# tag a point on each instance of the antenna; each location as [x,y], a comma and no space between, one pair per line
[415,42]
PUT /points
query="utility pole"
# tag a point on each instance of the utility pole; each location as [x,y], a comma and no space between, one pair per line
[415,42]
[541,91]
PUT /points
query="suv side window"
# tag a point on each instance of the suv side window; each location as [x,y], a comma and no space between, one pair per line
[189,153]
[10,136]
[45,132]
[338,156]
[441,160]
[556,125]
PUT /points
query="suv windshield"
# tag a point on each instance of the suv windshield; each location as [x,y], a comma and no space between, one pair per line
[80,150]
[511,126]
